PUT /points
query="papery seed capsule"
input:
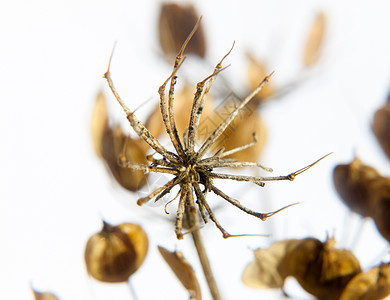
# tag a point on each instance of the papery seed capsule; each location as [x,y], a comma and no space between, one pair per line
[175,23]
[99,123]
[321,269]
[315,39]
[381,127]
[116,252]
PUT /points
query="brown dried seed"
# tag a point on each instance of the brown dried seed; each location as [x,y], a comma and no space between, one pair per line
[315,39]
[381,126]
[372,285]
[175,23]
[257,70]
[99,123]
[183,270]
[320,269]
[115,145]
[116,252]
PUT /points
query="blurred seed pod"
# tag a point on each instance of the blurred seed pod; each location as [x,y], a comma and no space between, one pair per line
[256,72]
[99,123]
[381,206]
[266,271]
[240,132]
[111,143]
[175,24]
[381,125]
[352,182]
[116,252]
[321,269]
[372,285]
[43,295]
[116,144]
[183,271]
[182,110]
[315,40]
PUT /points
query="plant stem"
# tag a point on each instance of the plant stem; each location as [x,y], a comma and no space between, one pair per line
[193,220]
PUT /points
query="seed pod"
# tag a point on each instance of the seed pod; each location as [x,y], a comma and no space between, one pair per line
[182,109]
[99,123]
[256,72]
[175,23]
[116,144]
[266,271]
[381,125]
[320,269]
[116,252]
[381,206]
[183,271]
[352,182]
[372,285]
[315,39]
[43,295]
[240,132]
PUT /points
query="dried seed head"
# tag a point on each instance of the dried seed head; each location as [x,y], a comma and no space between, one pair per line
[175,23]
[256,70]
[315,39]
[381,125]
[321,269]
[99,123]
[371,285]
[116,252]
[183,270]
[118,146]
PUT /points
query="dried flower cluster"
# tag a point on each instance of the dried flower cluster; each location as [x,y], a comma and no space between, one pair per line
[190,169]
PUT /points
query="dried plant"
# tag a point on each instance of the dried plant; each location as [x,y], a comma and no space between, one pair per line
[188,165]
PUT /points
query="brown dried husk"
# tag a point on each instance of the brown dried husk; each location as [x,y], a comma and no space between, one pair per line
[371,285]
[183,271]
[116,252]
[99,123]
[44,296]
[176,21]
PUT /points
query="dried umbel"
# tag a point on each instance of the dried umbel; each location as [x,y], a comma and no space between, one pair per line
[111,144]
[175,24]
[116,252]
[371,285]
[192,172]
[365,192]
[320,268]
[381,126]
[183,270]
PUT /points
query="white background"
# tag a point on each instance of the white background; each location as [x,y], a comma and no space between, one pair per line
[54,190]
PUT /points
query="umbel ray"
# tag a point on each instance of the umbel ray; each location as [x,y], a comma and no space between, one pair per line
[193,172]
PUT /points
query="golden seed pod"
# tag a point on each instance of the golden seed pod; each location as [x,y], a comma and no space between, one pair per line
[182,110]
[116,252]
[353,183]
[315,39]
[381,125]
[381,206]
[372,285]
[320,269]
[183,271]
[240,132]
[175,23]
[115,145]
[266,270]
[256,72]
[99,123]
